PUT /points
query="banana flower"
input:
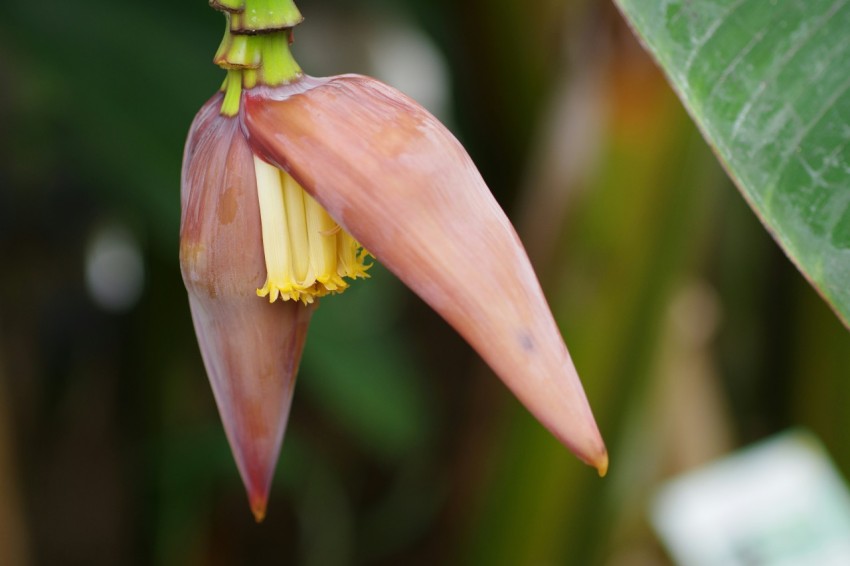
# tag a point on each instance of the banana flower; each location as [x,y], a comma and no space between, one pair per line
[287,180]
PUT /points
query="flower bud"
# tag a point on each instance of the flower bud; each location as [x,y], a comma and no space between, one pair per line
[251,349]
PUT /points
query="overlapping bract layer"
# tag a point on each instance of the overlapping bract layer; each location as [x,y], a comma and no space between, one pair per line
[394,177]
[251,349]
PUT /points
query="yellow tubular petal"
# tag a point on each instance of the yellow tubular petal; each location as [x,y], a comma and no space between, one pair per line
[307,254]
[350,262]
[293,196]
[321,230]
[275,232]
[346,253]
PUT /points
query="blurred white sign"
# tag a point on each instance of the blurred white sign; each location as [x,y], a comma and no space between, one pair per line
[778,503]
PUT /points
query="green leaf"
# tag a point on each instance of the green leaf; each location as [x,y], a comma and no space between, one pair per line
[767,83]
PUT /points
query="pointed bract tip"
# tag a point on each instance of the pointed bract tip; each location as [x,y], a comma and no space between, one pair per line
[602,465]
[258,508]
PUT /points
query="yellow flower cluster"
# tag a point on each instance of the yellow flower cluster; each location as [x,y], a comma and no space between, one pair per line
[307,253]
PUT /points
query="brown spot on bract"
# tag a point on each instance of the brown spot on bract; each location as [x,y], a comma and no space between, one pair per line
[228,206]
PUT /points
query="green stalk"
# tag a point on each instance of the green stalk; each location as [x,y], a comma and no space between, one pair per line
[232,88]
[278,65]
[237,51]
[255,47]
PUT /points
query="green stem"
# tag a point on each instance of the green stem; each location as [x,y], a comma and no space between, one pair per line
[268,57]
[237,51]
[255,48]
[232,88]
[251,60]
[278,65]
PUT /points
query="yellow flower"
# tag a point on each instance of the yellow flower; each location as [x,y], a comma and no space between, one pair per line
[307,254]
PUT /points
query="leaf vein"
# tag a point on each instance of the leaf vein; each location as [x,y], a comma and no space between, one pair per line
[801,136]
[706,37]
[780,66]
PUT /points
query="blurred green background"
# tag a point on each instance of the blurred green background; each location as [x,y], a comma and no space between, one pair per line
[692,332]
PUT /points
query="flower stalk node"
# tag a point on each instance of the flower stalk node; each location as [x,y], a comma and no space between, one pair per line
[265,16]
[228,5]
[237,51]
[253,60]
